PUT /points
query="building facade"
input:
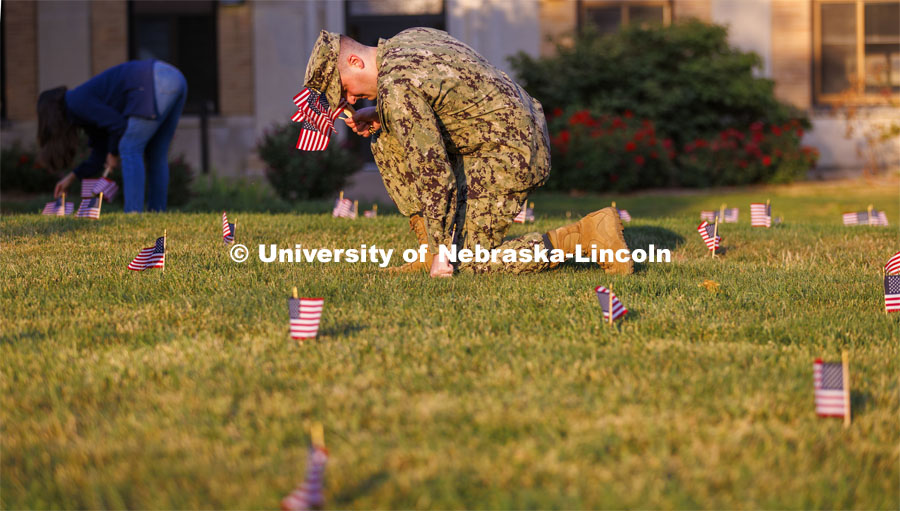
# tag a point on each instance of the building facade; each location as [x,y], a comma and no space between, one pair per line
[245,59]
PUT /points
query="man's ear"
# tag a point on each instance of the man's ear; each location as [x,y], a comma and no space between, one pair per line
[356,62]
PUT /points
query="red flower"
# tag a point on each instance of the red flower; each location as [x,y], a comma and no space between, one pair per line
[629,114]
[618,123]
[582,117]
[654,155]
[630,146]
[776,131]
[756,126]
[613,178]
[766,160]
[556,112]
[742,164]
[667,143]
[639,160]
[23,159]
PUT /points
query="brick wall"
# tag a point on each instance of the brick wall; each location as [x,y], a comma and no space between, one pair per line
[109,34]
[700,9]
[792,51]
[20,45]
[236,60]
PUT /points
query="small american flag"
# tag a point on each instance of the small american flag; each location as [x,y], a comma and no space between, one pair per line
[603,295]
[828,378]
[343,208]
[892,293]
[315,118]
[882,218]
[150,257]
[87,187]
[529,213]
[107,186]
[371,213]
[227,230]
[305,316]
[520,218]
[709,216]
[56,208]
[760,215]
[710,237]
[623,214]
[310,494]
[731,216]
[893,265]
[89,208]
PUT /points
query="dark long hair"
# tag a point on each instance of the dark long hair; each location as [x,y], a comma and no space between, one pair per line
[57,137]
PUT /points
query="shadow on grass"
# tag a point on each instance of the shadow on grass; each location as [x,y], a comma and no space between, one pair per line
[342,330]
[364,487]
[859,402]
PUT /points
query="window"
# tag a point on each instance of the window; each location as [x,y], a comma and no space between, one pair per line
[857,49]
[184,35]
[607,17]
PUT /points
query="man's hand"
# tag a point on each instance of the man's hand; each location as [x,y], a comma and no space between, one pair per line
[364,122]
[440,267]
[63,184]
[112,161]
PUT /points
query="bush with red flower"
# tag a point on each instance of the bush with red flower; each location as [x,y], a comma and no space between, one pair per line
[759,154]
[602,152]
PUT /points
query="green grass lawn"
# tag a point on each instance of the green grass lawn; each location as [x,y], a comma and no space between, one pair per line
[182,389]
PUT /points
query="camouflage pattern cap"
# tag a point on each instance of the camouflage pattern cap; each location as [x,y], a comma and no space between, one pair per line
[321,70]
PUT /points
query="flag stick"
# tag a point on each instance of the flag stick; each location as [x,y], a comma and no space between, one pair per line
[722,212]
[355,208]
[869,215]
[715,234]
[341,196]
[63,205]
[610,306]
[845,373]
[375,208]
[106,170]
[317,435]
[348,110]
[531,205]
[165,235]
[883,274]
[294,292]
[232,231]
[100,204]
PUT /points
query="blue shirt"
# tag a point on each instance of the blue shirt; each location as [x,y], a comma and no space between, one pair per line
[102,105]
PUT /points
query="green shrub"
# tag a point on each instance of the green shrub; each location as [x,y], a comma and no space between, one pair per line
[235,195]
[684,77]
[20,172]
[300,175]
[762,153]
[607,152]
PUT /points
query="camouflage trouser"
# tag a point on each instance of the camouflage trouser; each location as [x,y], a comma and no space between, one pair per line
[481,217]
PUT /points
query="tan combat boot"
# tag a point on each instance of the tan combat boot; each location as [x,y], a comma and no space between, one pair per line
[417,226]
[601,229]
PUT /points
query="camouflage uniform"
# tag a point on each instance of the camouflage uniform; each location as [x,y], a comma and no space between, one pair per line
[460,143]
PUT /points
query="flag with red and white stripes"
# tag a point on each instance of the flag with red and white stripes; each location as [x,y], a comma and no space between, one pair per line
[107,186]
[305,314]
[310,494]
[87,187]
[370,213]
[89,208]
[604,295]
[828,378]
[893,265]
[892,293]
[56,208]
[624,215]
[150,257]
[760,215]
[709,235]
[520,218]
[343,208]
[227,230]
[316,120]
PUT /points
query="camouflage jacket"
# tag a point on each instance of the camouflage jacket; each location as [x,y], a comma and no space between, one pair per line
[443,101]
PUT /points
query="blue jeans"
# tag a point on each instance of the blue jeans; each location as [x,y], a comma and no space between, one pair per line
[151,137]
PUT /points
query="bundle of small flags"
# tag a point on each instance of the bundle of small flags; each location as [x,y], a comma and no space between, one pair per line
[227,230]
[59,207]
[344,208]
[709,235]
[316,120]
[604,295]
[892,284]
[873,217]
[90,208]
[305,314]
[832,389]
[730,216]
[96,186]
[150,257]
[760,215]
[372,213]
[310,494]
[623,214]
